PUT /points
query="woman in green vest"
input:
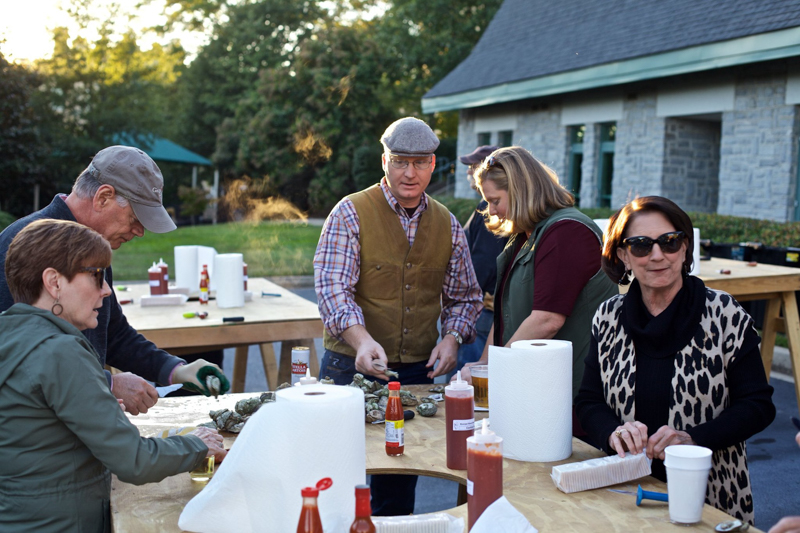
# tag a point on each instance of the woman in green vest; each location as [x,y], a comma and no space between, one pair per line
[62,432]
[549,280]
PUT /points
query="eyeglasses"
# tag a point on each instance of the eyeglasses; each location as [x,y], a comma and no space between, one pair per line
[642,246]
[419,164]
[99,274]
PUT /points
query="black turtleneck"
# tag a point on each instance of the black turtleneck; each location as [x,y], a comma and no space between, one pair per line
[657,340]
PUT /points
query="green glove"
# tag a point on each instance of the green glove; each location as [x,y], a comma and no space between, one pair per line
[206,376]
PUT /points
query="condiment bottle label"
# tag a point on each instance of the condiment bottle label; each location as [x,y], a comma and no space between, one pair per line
[155,283]
[464,425]
[395,430]
[470,487]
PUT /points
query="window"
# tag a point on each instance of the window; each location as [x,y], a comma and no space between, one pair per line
[505,138]
[605,166]
[484,138]
[575,160]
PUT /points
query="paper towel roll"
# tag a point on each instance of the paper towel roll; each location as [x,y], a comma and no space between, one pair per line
[309,433]
[187,272]
[696,254]
[530,399]
[228,273]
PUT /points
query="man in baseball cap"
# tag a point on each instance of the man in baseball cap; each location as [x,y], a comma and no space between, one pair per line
[391,261]
[118,195]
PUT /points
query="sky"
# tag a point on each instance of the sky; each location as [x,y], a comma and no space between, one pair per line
[26,24]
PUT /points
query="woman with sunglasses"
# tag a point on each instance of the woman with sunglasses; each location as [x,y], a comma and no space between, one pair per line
[62,432]
[672,361]
[549,280]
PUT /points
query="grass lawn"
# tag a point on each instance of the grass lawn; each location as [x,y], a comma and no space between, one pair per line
[269,249]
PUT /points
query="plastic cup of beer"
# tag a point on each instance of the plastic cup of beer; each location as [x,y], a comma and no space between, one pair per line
[687,477]
[480,380]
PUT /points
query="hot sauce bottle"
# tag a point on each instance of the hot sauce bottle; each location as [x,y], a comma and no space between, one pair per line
[484,472]
[204,279]
[395,442]
[363,522]
[309,516]
[459,413]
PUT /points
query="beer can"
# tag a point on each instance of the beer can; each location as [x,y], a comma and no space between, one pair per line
[300,357]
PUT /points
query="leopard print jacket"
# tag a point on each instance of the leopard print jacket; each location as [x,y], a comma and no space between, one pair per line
[699,391]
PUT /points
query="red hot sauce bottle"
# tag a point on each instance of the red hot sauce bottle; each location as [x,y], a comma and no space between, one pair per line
[204,281]
[363,522]
[395,438]
[309,515]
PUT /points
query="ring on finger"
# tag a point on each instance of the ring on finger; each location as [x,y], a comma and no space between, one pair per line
[618,432]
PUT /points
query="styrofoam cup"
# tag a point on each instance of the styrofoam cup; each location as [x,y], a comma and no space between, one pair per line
[687,477]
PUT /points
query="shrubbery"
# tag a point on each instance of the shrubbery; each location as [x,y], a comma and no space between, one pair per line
[5,220]
[718,228]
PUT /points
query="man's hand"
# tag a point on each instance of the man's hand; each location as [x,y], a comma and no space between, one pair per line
[213,440]
[466,370]
[447,354]
[665,436]
[193,376]
[136,394]
[369,352]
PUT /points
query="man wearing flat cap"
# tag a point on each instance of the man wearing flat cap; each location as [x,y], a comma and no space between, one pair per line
[391,261]
[119,196]
[484,247]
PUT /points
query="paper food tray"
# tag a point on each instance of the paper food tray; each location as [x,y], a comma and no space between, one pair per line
[164,299]
[600,472]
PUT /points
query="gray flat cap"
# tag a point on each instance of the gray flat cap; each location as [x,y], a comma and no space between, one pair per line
[409,136]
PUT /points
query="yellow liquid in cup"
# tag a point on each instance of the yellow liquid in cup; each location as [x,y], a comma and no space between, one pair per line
[481,391]
[205,471]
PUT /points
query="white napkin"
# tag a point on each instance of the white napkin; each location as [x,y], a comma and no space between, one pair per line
[502,516]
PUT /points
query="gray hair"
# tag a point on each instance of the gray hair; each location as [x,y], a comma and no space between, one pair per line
[86,186]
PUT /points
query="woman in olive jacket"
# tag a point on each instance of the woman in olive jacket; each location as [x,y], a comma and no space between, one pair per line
[62,432]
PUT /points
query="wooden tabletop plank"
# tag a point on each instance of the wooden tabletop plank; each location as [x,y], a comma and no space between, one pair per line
[156,507]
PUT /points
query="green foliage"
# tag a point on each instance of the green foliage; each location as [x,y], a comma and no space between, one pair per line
[462,208]
[366,171]
[730,229]
[270,249]
[193,201]
[5,220]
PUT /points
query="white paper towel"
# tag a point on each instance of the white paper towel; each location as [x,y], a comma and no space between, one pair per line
[228,273]
[696,254]
[309,433]
[530,399]
[187,273]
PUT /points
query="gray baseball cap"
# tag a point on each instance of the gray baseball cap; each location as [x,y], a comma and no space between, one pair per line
[409,136]
[136,177]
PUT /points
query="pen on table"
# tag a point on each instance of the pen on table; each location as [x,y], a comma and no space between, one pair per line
[270,294]
[128,301]
[233,319]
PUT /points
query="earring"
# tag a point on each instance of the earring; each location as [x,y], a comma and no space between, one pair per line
[625,278]
[57,308]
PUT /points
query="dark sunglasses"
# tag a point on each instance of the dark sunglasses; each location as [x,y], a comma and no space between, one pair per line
[99,274]
[642,246]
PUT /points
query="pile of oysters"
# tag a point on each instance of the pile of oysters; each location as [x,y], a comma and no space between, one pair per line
[233,421]
[376,396]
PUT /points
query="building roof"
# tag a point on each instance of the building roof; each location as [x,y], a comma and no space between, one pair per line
[540,39]
[161,149]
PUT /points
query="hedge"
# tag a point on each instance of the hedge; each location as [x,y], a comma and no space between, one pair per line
[717,228]
[5,220]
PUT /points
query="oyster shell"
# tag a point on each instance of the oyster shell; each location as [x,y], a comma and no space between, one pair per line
[374,415]
[283,385]
[391,374]
[327,380]
[437,389]
[248,406]
[427,409]
[267,397]
[407,398]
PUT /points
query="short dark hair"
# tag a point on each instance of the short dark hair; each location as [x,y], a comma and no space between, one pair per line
[60,244]
[618,225]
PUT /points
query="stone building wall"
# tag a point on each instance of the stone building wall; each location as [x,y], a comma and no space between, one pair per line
[691,164]
[758,162]
[467,137]
[540,131]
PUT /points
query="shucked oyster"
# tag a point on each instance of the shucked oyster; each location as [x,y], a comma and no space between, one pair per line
[374,415]
[327,380]
[437,389]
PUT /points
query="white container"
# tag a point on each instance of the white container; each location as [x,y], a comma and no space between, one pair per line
[687,477]
[696,253]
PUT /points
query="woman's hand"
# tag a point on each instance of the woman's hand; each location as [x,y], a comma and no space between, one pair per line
[629,437]
[213,440]
[788,524]
[665,436]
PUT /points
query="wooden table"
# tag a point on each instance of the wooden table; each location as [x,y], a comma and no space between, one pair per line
[156,507]
[288,319]
[776,285]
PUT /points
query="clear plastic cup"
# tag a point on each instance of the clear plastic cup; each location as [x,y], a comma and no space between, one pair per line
[687,477]
[480,380]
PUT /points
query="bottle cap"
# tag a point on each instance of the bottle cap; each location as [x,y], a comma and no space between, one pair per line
[161,262]
[458,383]
[486,435]
[309,492]
[394,385]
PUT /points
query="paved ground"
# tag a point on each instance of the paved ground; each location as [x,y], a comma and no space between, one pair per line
[773,455]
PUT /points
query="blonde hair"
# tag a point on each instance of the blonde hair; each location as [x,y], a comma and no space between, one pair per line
[534,192]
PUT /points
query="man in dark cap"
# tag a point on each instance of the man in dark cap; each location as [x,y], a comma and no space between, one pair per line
[119,196]
[391,261]
[484,247]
